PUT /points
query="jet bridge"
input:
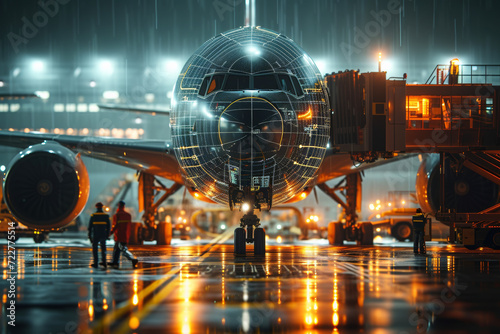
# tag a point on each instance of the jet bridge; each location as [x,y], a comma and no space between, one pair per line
[455,115]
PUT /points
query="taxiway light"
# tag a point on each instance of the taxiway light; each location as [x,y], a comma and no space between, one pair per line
[279,239]
[92,84]
[2,83]
[223,227]
[372,207]
[2,168]
[278,227]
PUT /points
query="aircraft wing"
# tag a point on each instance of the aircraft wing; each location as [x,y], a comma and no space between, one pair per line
[137,110]
[339,164]
[153,156]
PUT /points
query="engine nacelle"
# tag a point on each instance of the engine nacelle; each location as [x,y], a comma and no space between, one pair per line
[46,186]
[465,190]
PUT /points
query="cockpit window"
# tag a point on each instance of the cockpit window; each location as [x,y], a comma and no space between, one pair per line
[298,87]
[237,82]
[265,82]
[203,87]
[286,83]
[215,83]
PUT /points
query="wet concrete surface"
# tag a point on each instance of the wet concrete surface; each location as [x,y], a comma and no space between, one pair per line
[199,286]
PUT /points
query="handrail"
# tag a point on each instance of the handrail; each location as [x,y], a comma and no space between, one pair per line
[468,78]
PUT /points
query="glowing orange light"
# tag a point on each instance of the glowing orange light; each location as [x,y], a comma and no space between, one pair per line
[303,195]
[133,323]
[279,239]
[135,299]
[196,195]
[335,319]
[91,311]
[307,115]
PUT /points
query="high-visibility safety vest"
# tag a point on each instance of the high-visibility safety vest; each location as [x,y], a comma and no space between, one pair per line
[121,225]
[418,221]
[99,225]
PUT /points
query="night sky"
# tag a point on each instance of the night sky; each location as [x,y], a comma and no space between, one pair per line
[414,35]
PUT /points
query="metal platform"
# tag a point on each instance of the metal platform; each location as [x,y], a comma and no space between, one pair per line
[458,117]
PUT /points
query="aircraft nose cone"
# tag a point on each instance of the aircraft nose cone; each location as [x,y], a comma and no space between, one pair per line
[251,129]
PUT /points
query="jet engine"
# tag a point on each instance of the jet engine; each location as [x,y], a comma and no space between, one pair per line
[465,190]
[46,186]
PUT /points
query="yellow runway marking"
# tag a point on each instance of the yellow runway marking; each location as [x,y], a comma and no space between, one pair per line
[161,295]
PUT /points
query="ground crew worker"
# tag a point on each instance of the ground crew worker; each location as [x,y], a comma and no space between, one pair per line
[121,229]
[418,221]
[99,226]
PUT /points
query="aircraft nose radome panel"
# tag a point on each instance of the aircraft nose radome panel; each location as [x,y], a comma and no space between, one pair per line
[251,129]
[272,122]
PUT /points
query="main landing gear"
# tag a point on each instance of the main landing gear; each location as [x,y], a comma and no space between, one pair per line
[148,230]
[362,233]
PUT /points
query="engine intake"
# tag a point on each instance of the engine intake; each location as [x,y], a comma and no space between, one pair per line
[465,190]
[46,186]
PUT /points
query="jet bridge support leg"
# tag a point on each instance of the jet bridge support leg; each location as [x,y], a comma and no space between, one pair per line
[351,230]
[149,188]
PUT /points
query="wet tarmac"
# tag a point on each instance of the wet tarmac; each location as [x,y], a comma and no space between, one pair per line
[199,286]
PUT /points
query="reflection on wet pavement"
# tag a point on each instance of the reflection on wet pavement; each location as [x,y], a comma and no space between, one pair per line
[201,287]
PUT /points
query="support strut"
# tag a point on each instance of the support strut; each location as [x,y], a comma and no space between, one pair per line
[350,188]
[149,188]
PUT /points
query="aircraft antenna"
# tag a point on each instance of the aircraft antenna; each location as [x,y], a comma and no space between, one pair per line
[249,13]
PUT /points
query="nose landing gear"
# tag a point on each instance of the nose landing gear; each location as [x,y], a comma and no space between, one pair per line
[250,231]
[253,233]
